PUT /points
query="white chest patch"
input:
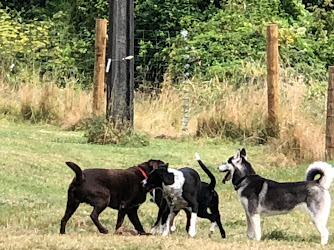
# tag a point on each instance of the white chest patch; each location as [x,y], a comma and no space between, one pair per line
[173,193]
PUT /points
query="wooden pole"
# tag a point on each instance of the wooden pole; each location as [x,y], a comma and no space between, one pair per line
[99,67]
[120,78]
[272,80]
[330,116]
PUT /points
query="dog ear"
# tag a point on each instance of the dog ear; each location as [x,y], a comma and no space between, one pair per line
[155,163]
[237,155]
[163,166]
[243,152]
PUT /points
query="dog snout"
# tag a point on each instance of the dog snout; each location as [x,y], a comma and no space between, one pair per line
[222,168]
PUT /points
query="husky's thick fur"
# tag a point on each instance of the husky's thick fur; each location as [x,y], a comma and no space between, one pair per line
[264,197]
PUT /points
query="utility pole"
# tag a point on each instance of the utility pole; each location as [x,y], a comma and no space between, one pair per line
[120,62]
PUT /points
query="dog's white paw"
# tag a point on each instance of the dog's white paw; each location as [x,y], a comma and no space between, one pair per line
[212,227]
[172,228]
[154,230]
[163,228]
[192,233]
[165,232]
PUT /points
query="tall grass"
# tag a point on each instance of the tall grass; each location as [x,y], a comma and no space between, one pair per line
[227,109]
[45,102]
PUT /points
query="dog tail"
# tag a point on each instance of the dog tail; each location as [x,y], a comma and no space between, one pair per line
[212,184]
[325,170]
[78,172]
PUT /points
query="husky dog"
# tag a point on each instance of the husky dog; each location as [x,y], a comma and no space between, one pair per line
[264,197]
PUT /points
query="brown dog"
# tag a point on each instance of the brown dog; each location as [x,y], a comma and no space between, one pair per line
[119,189]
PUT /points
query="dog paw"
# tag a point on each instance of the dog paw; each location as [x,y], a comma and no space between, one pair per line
[165,232]
[104,231]
[172,228]
[192,233]
[144,233]
[153,230]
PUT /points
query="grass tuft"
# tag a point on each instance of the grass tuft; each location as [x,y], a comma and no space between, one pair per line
[102,131]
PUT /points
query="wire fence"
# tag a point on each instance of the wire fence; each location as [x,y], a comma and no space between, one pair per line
[152,50]
[69,52]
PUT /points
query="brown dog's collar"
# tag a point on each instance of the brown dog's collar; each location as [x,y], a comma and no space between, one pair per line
[143,172]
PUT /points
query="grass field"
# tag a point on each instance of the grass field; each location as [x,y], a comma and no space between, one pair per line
[34,182]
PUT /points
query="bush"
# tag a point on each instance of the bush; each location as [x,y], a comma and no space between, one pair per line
[221,45]
[27,45]
[101,131]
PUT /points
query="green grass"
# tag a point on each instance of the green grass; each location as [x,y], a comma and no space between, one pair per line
[34,182]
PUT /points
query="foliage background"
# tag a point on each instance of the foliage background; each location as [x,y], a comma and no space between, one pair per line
[58,37]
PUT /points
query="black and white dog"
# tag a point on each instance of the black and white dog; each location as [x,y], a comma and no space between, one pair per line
[180,188]
[207,199]
[264,197]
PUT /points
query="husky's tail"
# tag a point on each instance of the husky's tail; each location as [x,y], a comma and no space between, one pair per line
[78,172]
[325,170]
[212,184]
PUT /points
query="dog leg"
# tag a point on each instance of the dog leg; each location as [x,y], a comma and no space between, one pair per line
[162,216]
[203,213]
[192,230]
[321,226]
[172,223]
[214,217]
[220,226]
[71,207]
[95,218]
[215,212]
[255,222]
[212,228]
[250,233]
[167,227]
[163,227]
[120,218]
[188,213]
[154,230]
[133,216]
[320,216]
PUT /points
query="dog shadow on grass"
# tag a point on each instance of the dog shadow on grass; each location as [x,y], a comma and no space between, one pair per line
[281,235]
[234,223]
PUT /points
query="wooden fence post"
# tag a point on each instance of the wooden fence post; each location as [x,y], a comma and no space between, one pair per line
[330,116]
[272,80]
[99,67]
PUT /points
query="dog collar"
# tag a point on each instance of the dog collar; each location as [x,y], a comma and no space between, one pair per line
[237,185]
[143,172]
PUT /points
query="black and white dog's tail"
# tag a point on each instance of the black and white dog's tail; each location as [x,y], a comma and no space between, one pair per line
[325,170]
[212,184]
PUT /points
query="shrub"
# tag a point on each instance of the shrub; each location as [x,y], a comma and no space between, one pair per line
[101,131]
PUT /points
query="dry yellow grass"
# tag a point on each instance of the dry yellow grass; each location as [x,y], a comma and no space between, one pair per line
[225,110]
[96,241]
[69,105]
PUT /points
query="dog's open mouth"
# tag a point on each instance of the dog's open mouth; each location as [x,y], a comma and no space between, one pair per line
[227,176]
